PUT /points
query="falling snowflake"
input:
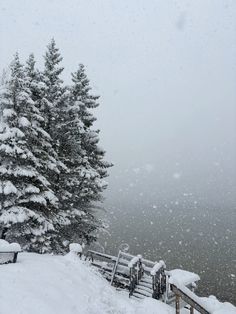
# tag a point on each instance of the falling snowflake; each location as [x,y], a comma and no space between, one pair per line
[176,175]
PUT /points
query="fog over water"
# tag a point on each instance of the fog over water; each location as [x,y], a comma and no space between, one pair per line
[166,73]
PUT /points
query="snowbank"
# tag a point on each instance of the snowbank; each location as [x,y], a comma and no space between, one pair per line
[183,276]
[46,284]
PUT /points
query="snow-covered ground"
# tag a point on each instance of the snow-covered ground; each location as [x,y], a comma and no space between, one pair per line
[47,284]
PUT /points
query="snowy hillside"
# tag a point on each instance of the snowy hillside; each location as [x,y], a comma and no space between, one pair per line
[47,284]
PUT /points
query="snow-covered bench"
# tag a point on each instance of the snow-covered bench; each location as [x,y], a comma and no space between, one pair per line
[8,252]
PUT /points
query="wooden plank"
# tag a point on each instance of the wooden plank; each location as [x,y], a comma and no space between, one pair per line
[122,269]
[148,263]
[124,261]
[146,279]
[127,255]
[145,284]
[105,267]
[137,295]
[149,290]
[107,256]
[142,292]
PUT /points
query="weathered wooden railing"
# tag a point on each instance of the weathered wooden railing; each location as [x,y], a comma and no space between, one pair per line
[105,264]
[158,280]
[145,278]
[189,297]
[136,272]
[91,254]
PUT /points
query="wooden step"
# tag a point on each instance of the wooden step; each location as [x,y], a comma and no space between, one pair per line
[119,279]
[142,292]
[138,295]
[145,288]
[145,284]
[146,279]
[122,280]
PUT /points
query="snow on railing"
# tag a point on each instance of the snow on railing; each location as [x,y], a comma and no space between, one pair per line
[134,261]
[189,296]
[136,272]
[159,280]
[157,267]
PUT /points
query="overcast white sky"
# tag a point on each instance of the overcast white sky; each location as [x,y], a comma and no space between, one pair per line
[166,73]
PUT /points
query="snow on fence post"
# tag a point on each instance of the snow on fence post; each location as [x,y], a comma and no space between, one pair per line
[76,249]
[158,279]
[136,272]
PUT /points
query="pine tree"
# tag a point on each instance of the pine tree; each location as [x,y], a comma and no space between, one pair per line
[55,92]
[28,205]
[52,169]
[40,141]
[94,154]
[53,106]
[54,109]
[84,158]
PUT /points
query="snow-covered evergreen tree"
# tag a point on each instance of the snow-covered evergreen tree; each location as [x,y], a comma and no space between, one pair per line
[55,91]
[53,105]
[84,159]
[94,155]
[54,109]
[40,141]
[52,169]
[27,204]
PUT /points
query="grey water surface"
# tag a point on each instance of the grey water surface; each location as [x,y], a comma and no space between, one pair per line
[185,230]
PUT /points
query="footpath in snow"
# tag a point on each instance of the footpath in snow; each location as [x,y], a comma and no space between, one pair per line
[47,284]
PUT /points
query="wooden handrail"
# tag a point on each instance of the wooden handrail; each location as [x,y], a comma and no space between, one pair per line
[92,253]
[193,303]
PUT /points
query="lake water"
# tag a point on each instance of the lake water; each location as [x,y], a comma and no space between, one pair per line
[199,240]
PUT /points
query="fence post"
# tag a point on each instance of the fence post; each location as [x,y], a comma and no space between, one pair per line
[177,304]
